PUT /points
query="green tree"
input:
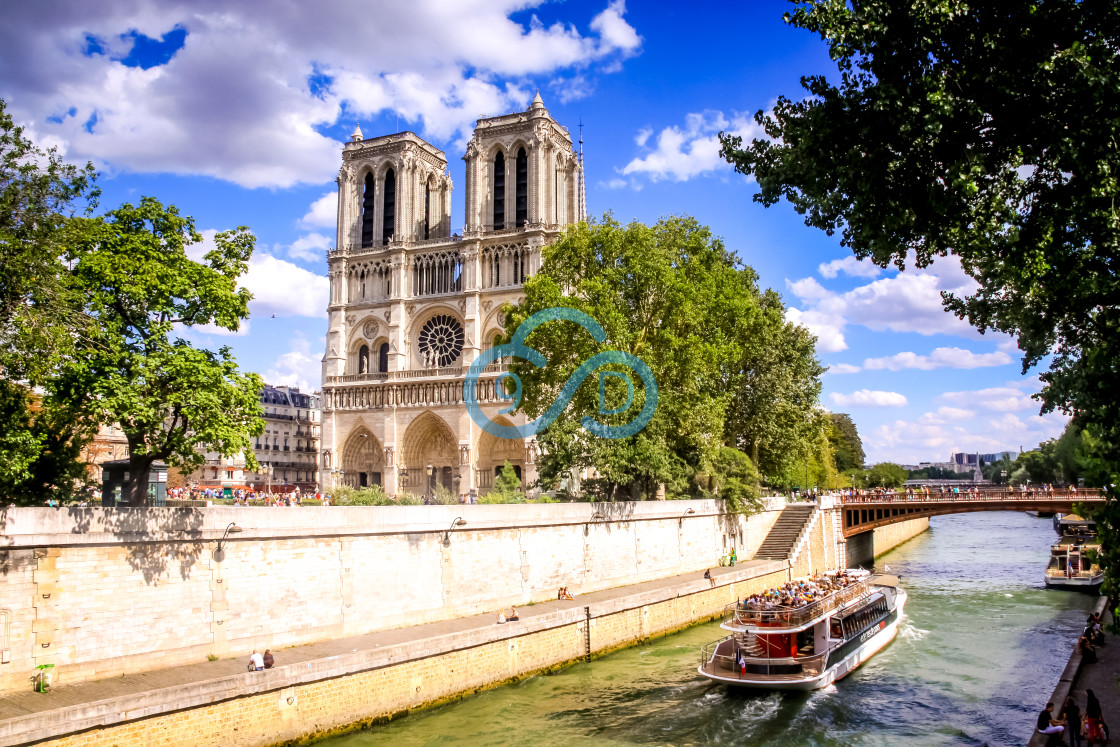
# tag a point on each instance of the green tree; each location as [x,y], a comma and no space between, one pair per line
[39,193]
[672,295]
[39,319]
[847,447]
[774,414]
[139,285]
[886,475]
[507,484]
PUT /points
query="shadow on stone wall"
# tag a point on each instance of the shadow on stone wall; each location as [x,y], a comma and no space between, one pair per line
[156,539]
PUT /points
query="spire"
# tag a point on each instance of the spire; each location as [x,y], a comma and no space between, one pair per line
[538,103]
[582,214]
[356,135]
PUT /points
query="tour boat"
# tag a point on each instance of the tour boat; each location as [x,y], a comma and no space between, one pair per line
[810,646]
[1075,563]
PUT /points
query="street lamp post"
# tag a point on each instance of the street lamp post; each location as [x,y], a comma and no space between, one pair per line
[429,488]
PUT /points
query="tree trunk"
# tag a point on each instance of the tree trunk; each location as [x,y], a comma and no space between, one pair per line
[757,471]
[138,469]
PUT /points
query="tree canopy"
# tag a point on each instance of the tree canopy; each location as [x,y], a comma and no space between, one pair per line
[137,282]
[847,446]
[674,296]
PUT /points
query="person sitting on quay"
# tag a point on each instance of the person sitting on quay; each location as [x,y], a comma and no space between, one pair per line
[512,615]
[501,617]
[564,593]
[1087,650]
[256,662]
[1047,724]
[269,661]
[708,576]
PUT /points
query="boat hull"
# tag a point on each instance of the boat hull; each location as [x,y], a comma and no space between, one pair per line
[1075,584]
[837,671]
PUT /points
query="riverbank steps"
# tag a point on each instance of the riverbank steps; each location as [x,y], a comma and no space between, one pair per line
[102,593]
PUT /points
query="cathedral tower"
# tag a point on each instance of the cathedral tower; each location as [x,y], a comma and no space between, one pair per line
[412,304]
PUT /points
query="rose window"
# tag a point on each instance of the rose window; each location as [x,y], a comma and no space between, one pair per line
[441,340]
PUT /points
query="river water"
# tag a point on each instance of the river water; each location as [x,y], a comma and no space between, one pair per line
[979,651]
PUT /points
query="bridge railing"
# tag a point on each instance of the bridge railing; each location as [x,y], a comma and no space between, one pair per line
[983,495]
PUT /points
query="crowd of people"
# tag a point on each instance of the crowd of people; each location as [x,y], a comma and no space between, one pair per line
[794,594]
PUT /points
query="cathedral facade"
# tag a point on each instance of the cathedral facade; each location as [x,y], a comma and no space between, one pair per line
[412,304]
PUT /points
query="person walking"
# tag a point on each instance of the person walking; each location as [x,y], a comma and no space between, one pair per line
[1071,714]
[1094,732]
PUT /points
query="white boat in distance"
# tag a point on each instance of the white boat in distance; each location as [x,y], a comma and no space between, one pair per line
[809,646]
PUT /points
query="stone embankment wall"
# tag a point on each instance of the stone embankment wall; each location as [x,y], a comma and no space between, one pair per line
[297,703]
[106,592]
[864,548]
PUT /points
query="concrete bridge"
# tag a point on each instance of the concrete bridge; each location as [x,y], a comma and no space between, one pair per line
[863,513]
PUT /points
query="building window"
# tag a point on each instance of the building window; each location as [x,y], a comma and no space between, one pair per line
[499,191]
[389,212]
[367,212]
[229,474]
[427,208]
[521,185]
[383,358]
[440,341]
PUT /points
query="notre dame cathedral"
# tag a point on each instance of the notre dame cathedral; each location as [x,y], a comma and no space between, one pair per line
[412,304]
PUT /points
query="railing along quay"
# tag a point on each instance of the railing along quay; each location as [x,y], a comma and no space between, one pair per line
[863,513]
[983,495]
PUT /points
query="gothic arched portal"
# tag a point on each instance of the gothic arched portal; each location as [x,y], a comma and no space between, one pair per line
[363,459]
[429,441]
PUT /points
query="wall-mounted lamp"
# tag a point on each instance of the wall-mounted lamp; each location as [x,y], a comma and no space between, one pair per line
[219,552]
[680,520]
[598,516]
[457,523]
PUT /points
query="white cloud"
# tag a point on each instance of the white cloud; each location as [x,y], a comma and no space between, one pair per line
[828,328]
[868,398]
[1010,398]
[858,268]
[939,358]
[285,289]
[309,248]
[935,435]
[323,213]
[297,367]
[907,301]
[614,184]
[842,368]
[247,95]
[682,153]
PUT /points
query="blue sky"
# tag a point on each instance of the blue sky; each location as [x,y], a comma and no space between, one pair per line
[236,114]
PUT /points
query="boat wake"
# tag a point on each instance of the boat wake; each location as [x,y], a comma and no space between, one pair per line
[909,630]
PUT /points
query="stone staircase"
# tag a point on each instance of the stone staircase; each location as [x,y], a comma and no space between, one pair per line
[783,535]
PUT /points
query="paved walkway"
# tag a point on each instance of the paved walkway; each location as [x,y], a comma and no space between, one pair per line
[1103,678]
[23,704]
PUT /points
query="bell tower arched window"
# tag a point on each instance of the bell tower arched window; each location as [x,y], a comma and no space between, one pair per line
[363,359]
[427,208]
[367,212]
[383,358]
[521,187]
[389,213]
[499,191]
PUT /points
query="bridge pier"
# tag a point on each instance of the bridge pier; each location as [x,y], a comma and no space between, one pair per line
[860,550]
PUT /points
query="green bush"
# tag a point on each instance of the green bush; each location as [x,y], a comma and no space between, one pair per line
[444,497]
[373,495]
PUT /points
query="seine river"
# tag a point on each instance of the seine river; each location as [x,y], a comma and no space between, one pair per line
[978,654]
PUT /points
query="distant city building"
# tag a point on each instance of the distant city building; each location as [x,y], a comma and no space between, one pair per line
[287,450]
[109,444]
[962,462]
